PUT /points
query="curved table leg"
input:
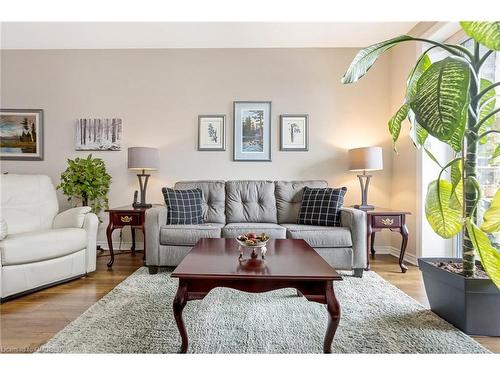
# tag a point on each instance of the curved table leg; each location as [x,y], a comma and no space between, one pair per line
[372,243]
[109,232]
[132,229]
[333,307]
[404,234]
[179,303]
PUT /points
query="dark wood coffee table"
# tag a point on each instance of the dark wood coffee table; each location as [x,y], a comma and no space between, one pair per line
[213,263]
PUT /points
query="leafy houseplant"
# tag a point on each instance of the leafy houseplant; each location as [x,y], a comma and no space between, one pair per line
[86,181]
[447,100]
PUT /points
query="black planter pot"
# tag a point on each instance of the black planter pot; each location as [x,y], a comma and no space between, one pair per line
[471,305]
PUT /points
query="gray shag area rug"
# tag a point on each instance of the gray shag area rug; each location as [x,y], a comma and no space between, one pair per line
[136,317]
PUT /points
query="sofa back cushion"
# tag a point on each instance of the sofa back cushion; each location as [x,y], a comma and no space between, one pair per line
[213,200]
[250,202]
[289,198]
[28,202]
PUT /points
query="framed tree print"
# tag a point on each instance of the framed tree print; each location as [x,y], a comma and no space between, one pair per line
[21,134]
[211,132]
[252,131]
[294,133]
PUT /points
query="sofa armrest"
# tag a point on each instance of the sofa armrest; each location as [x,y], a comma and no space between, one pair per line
[355,220]
[72,218]
[156,217]
[90,225]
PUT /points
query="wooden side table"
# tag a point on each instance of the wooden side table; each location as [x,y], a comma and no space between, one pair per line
[121,217]
[384,218]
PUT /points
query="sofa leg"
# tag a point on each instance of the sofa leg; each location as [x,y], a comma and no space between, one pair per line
[153,270]
[357,272]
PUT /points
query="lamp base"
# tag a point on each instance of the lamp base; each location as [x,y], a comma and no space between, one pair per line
[142,205]
[364,207]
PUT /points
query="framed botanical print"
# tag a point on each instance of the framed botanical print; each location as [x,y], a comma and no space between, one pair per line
[252,131]
[211,132]
[21,134]
[294,133]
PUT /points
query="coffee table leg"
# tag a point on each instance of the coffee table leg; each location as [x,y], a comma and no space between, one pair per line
[333,307]
[179,303]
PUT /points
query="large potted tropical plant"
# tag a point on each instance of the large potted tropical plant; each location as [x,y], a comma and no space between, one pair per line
[448,100]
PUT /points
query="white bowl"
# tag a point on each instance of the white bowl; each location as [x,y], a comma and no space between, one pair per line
[256,246]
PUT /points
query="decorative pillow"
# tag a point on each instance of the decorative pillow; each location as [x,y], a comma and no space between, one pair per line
[184,206]
[321,206]
[3,228]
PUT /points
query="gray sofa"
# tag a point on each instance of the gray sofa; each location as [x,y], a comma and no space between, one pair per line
[231,208]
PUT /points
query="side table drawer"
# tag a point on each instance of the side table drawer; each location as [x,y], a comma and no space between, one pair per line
[387,221]
[126,219]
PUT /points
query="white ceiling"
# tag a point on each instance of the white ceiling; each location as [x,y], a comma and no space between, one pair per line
[109,35]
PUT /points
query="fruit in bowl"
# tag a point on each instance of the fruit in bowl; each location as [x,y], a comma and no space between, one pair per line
[252,239]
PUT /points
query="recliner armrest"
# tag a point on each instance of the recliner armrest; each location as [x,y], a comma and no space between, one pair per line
[72,218]
[355,220]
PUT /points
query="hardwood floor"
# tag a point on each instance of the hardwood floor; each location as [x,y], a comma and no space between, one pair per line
[30,321]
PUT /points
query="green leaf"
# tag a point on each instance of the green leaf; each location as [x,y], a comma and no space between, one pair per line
[395,123]
[496,153]
[456,200]
[491,218]
[486,33]
[487,105]
[442,95]
[417,133]
[365,58]
[423,63]
[490,257]
[457,139]
[444,220]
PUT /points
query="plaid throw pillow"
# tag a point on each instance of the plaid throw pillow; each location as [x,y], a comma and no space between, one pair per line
[321,206]
[184,206]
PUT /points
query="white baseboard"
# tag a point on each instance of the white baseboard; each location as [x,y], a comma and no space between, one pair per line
[126,245]
[391,250]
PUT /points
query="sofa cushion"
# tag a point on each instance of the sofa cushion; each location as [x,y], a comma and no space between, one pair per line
[213,200]
[289,196]
[27,202]
[188,235]
[184,206]
[21,248]
[321,206]
[233,230]
[320,236]
[250,202]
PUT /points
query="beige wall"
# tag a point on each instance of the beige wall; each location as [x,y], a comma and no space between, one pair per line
[159,94]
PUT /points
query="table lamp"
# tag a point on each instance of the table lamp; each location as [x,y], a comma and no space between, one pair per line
[365,159]
[143,159]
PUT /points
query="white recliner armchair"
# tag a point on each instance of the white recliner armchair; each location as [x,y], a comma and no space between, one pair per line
[39,247]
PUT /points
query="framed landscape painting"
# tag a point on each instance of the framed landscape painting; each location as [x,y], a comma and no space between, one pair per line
[211,132]
[252,131]
[98,134]
[294,133]
[21,134]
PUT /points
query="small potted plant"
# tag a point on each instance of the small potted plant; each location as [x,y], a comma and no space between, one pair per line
[86,182]
[447,100]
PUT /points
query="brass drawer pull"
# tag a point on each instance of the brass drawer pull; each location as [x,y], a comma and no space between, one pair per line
[126,219]
[387,221]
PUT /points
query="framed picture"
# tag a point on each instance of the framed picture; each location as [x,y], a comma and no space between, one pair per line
[252,131]
[98,134]
[21,134]
[211,132]
[294,133]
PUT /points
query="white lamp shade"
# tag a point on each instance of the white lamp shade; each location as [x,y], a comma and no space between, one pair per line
[143,158]
[365,159]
